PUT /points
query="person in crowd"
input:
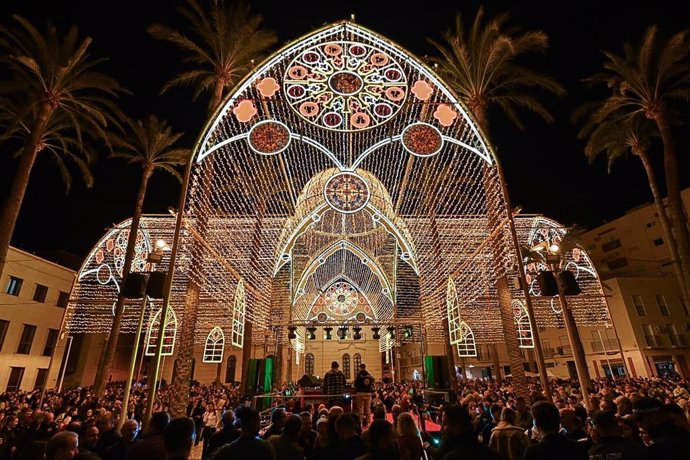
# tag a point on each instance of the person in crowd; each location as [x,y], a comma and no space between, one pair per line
[307,436]
[197,414]
[364,385]
[624,406]
[151,447]
[128,437]
[278,417]
[248,445]
[551,445]
[351,445]
[409,439]
[178,438]
[572,426]
[669,441]
[509,440]
[226,435]
[609,441]
[89,439]
[334,384]
[485,435]
[523,416]
[63,446]
[210,425]
[286,445]
[459,441]
[321,444]
[108,437]
[381,442]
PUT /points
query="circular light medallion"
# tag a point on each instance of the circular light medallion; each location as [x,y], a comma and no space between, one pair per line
[422,139]
[346,192]
[341,298]
[345,85]
[269,137]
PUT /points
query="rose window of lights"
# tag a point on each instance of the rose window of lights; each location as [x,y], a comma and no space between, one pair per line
[345,86]
[341,298]
[347,192]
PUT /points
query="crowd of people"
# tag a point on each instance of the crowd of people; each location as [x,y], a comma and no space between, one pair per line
[629,418]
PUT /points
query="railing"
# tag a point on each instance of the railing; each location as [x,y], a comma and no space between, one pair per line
[272,397]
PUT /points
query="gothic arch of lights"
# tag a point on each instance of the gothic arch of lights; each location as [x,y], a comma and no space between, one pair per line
[239,312]
[214,346]
[523,325]
[169,333]
[466,346]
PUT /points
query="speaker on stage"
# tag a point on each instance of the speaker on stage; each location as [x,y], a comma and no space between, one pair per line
[134,286]
[437,372]
[156,286]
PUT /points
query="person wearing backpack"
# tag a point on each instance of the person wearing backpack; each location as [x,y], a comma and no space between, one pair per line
[364,384]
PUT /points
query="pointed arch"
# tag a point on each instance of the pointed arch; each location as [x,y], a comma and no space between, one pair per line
[215,344]
[169,333]
[453,311]
[239,313]
[467,347]
[346,365]
[309,364]
[230,369]
[356,361]
[523,325]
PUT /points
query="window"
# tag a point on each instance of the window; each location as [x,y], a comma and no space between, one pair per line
[15,380]
[617,263]
[658,241]
[51,340]
[357,360]
[169,333]
[40,293]
[661,303]
[309,364]
[4,325]
[215,342]
[677,340]
[238,315]
[230,369]
[41,377]
[611,245]
[639,305]
[14,285]
[650,337]
[683,305]
[26,340]
[346,365]
[63,299]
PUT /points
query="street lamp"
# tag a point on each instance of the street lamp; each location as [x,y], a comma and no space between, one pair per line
[153,258]
[552,256]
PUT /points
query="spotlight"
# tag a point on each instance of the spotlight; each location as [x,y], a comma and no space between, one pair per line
[357,333]
[312,333]
[391,331]
[407,332]
[376,335]
[342,332]
[328,331]
[291,334]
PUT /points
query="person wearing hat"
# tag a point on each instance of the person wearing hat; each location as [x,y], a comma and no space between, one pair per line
[334,384]
[364,384]
[670,441]
[609,441]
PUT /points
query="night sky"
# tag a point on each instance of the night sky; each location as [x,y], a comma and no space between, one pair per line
[545,165]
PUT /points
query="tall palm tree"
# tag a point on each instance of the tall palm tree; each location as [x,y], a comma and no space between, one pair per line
[224,42]
[53,102]
[151,144]
[645,81]
[620,136]
[481,65]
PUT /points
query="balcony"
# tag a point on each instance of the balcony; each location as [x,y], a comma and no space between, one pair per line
[607,345]
[653,341]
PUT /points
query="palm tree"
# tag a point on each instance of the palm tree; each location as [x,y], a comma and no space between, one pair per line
[480,64]
[152,144]
[619,136]
[644,81]
[225,41]
[53,101]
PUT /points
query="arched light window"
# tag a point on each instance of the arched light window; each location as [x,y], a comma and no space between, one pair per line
[357,360]
[230,369]
[238,315]
[215,342]
[467,347]
[169,333]
[346,365]
[309,364]
[522,324]
[453,310]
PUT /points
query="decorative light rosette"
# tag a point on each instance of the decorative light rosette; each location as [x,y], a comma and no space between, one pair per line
[345,86]
[347,192]
[341,298]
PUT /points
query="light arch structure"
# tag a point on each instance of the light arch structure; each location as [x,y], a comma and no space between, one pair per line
[214,346]
[169,333]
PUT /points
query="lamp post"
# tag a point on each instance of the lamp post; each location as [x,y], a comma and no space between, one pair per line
[155,257]
[553,259]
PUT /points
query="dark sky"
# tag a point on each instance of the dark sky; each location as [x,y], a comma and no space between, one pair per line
[545,167]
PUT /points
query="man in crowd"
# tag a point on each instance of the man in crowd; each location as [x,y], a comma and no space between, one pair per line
[307,436]
[670,442]
[609,441]
[63,446]
[286,446]
[364,384]
[89,439]
[459,441]
[151,447]
[278,417]
[108,436]
[128,437]
[351,444]
[552,445]
[334,384]
[178,438]
[226,435]
[247,446]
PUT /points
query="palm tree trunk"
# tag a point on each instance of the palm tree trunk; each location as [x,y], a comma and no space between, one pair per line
[106,363]
[185,352]
[13,202]
[679,220]
[665,225]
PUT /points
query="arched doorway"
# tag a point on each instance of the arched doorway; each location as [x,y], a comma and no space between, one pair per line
[230,369]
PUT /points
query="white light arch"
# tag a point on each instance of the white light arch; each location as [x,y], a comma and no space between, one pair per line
[169,333]
[239,312]
[214,346]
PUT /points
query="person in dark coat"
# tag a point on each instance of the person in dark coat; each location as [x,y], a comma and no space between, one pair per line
[459,441]
[609,441]
[671,442]
[178,438]
[351,444]
[552,445]
[248,445]
[225,435]
[334,384]
[151,447]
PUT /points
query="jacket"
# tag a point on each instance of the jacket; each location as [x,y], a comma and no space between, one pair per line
[509,441]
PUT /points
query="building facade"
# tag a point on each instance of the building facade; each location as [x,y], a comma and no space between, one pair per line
[34,294]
